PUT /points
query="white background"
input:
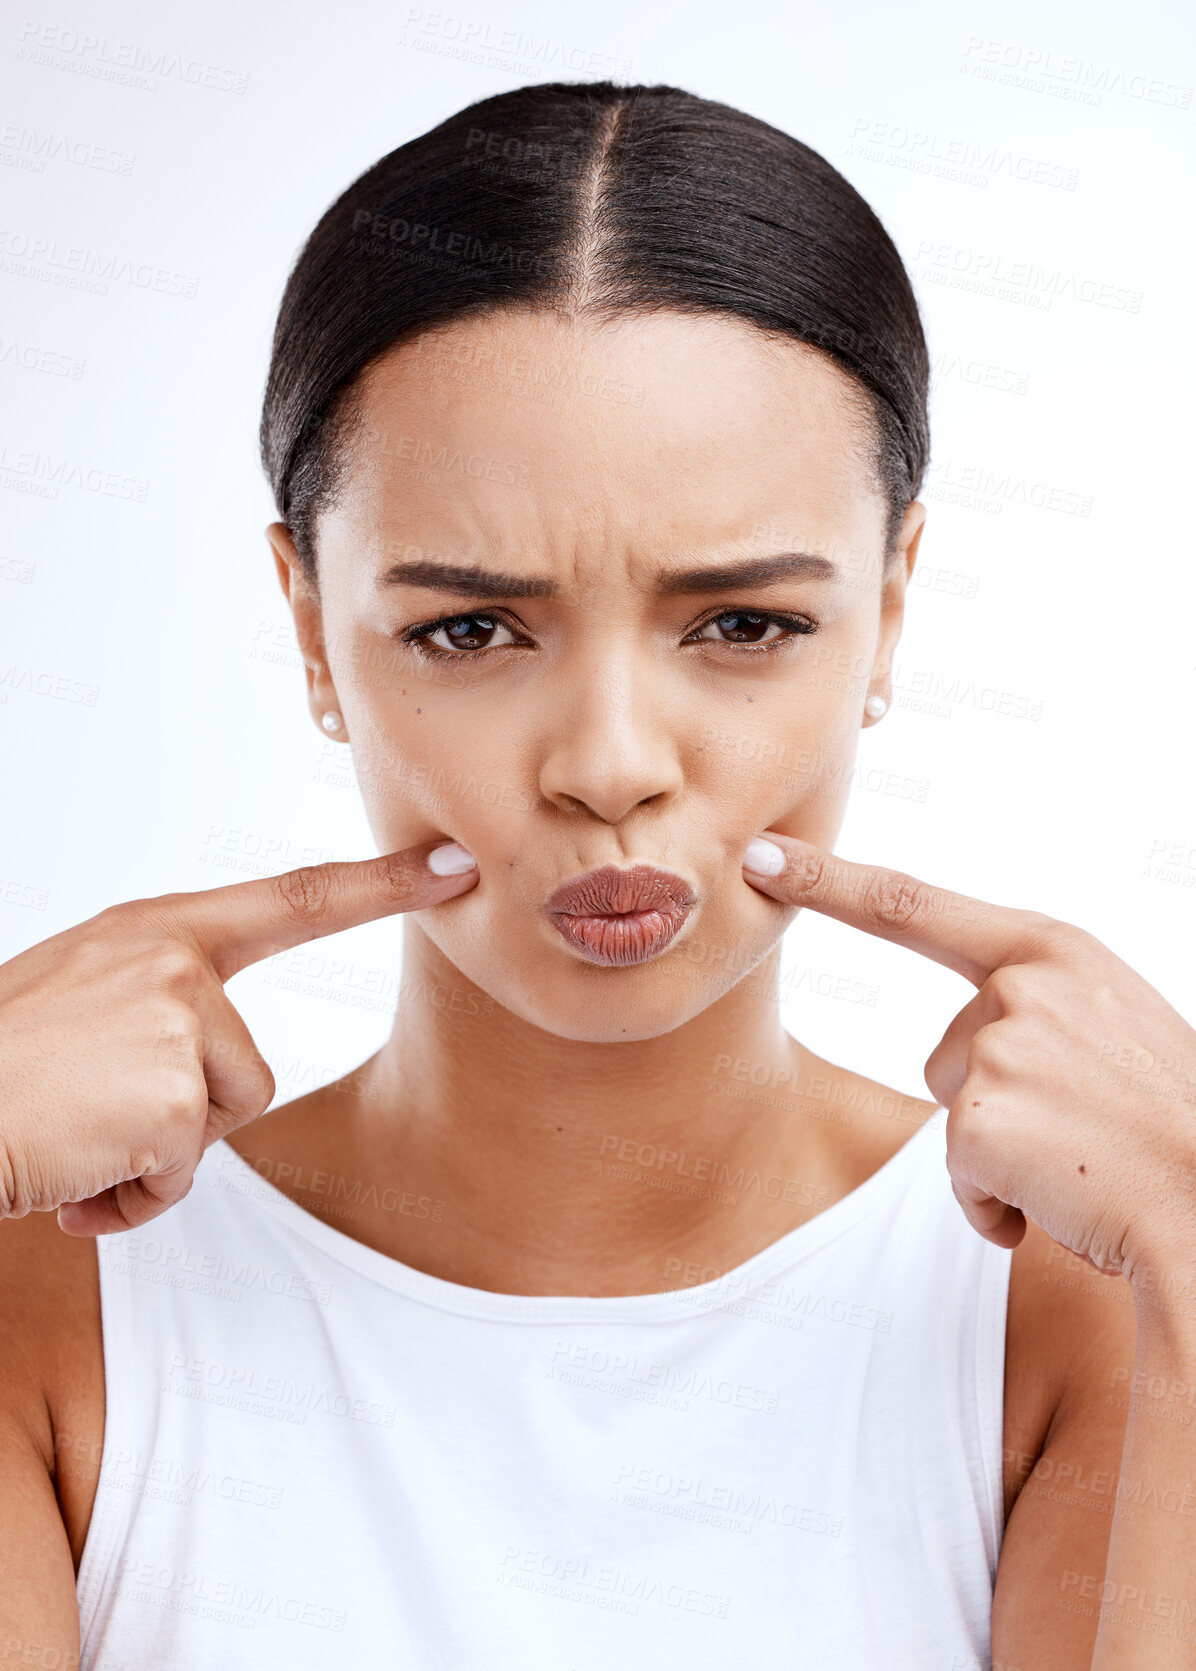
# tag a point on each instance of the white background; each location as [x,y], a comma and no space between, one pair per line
[155,732]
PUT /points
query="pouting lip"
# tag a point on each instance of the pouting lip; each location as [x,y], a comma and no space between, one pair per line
[612,891]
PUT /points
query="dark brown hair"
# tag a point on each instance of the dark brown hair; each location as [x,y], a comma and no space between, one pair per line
[601,200]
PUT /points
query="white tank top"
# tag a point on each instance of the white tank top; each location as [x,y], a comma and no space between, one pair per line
[317,1456]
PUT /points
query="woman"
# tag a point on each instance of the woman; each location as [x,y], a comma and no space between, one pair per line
[594,1318]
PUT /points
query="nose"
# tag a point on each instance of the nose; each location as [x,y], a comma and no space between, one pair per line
[610,747]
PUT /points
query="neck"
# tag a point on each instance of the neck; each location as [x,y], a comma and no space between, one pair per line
[564,1164]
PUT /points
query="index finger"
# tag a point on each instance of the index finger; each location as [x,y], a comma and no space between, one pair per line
[971,936]
[243,922]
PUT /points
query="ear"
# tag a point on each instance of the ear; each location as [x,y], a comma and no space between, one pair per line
[286,558]
[309,625]
[892,600]
[910,536]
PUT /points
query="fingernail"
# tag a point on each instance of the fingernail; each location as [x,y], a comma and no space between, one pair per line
[764,857]
[450,860]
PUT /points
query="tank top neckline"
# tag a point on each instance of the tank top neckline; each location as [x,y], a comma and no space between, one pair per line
[726,1292]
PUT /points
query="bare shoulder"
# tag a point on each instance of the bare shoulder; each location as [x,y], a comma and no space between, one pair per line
[52,1402]
[1069,1359]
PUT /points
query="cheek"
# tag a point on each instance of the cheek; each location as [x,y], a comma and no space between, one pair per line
[790,768]
[426,766]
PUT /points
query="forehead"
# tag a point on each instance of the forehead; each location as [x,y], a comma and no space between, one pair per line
[661,428]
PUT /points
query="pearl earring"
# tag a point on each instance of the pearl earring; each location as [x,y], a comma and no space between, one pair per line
[332,722]
[875,706]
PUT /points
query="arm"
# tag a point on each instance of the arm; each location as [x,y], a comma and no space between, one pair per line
[1098,1565]
[47,1297]
[1147,1600]
[1070,1351]
[1069,1085]
[37,1577]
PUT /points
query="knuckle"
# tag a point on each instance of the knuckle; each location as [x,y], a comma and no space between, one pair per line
[1012,983]
[256,1087]
[263,1092]
[967,1131]
[1079,943]
[985,1059]
[397,877]
[807,868]
[242,1074]
[95,936]
[111,916]
[175,965]
[937,1074]
[1051,935]
[176,1024]
[961,1137]
[896,900]
[182,1097]
[304,892]
[10,1192]
[140,916]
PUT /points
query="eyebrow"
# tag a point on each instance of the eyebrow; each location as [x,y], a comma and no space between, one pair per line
[477,582]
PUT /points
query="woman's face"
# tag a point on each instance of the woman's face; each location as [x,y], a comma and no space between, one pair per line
[623,703]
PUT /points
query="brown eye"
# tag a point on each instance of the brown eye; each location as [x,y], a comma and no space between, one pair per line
[750,628]
[742,628]
[466,632]
[469,632]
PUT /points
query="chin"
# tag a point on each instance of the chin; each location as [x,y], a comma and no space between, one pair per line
[634,1005]
[542,980]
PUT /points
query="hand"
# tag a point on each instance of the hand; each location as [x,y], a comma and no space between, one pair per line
[121,1057]
[1070,1083]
